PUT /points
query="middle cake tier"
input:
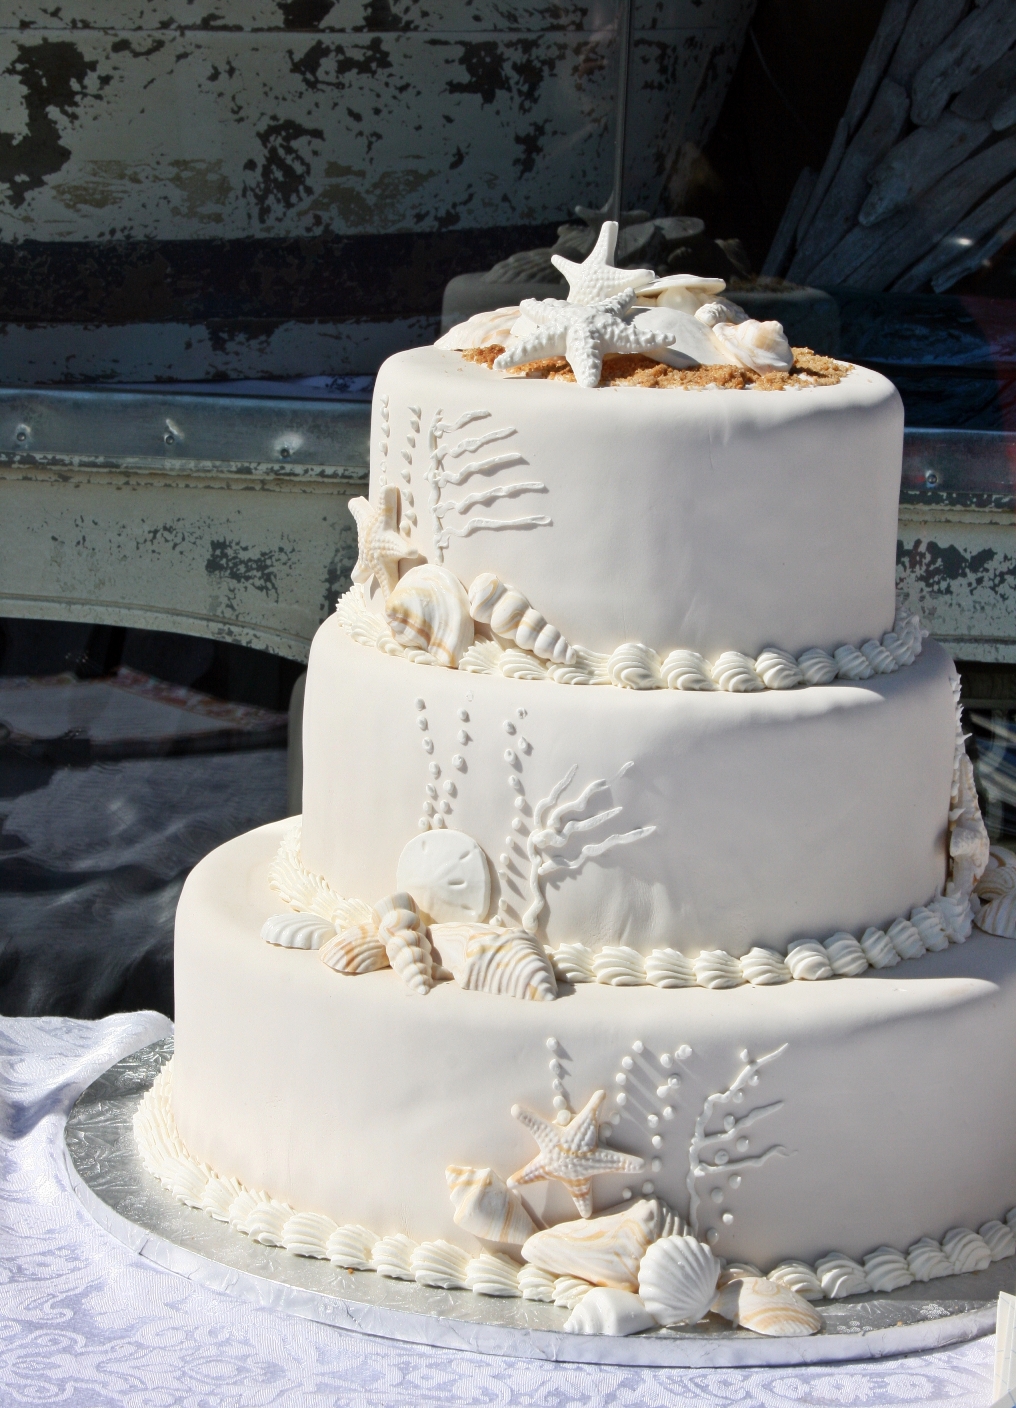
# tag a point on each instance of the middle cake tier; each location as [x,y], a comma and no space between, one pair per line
[653,819]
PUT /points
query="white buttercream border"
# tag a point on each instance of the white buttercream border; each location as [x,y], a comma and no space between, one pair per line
[276,1224]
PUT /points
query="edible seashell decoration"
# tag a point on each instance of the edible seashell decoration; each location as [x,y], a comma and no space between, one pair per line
[537,1284]
[297,930]
[605,1251]
[428,610]
[483,958]
[393,1257]
[677,1280]
[608,1311]
[887,1270]
[693,343]
[406,942]
[841,1276]
[492,1274]
[491,329]
[685,292]
[509,614]
[447,875]
[441,1265]
[763,347]
[928,1261]
[767,1307]
[799,1277]
[356,950]
[485,1206]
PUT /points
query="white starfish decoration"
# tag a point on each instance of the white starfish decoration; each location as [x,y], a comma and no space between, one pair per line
[596,278]
[582,333]
[569,1153]
[381,546]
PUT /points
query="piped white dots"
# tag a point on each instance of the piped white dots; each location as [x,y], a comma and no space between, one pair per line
[683,1052]
[625,1193]
[712,1236]
[552,1043]
[668,1112]
[524,745]
[520,713]
[722,1157]
[727,1218]
[555,1067]
[557,1086]
[445,806]
[615,1120]
[729,1122]
[649,1186]
[435,769]
[621,1078]
[638,1047]
[421,723]
[517,823]
[428,744]
[657,1141]
[462,736]
[560,1103]
[458,761]
[431,790]
[510,757]
[439,820]
[742,1145]
[420,704]
[653,1121]
[734,1181]
[519,803]
[717,1195]
[563,1117]
[656,1165]
[606,1132]
[424,823]
[464,715]
[666,1060]
[508,726]
[450,787]
[621,1098]
[515,783]
[626,1063]
[428,807]
[504,860]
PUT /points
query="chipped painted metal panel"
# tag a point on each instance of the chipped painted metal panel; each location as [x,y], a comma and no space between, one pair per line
[160,121]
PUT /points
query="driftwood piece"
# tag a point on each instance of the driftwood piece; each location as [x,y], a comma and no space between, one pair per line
[874,256]
[1004,115]
[963,242]
[982,98]
[779,250]
[973,258]
[870,74]
[886,119]
[915,164]
[974,45]
[930,22]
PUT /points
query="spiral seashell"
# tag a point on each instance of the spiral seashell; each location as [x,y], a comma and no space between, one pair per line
[483,958]
[528,630]
[677,1280]
[799,1277]
[998,917]
[307,1234]
[764,968]
[887,1270]
[719,310]
[429,611]
[441,1265]
[716,969]
[905,939]
[878,950]
[767,1307]
[841,1276]
[635,666]
[763,347]
[517,665]
[881,660]
[356,950]
[928,1261]
[808,960]
[966,1250]
[955,916]
[508,611]
[902,651]
[687,669]
[536,1284]
[486,1206]
[573,963]
[607,1311]
[491,1274]
[817,666]
[351,1246]
[778,669]
[393,1257]
[736,672]
[669,968]
[297,930]
[999,1240]
[846,955]
[569,1291]
[620,966]
[485,591]
[851,664]
[929,926]
[406,943]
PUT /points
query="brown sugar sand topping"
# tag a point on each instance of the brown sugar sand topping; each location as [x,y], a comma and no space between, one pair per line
[633,369]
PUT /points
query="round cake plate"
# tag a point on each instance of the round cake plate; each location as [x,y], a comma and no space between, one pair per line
[108,1177]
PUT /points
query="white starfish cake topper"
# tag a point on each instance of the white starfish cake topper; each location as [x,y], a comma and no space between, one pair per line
[381,546]
[596,278]
[584,334]
[569,1153]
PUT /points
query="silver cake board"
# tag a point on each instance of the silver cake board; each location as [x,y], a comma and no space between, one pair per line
[108,1177]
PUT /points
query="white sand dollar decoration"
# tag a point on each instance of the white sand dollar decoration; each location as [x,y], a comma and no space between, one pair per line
[447,875]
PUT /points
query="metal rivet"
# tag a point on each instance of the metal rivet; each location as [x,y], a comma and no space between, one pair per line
[285,452]
[169,439]
[931,477]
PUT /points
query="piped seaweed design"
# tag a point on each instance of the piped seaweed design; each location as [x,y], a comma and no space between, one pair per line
[732,1134]
[550,834]
[439,476]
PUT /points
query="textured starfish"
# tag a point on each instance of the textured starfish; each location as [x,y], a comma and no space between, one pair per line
[569,1154]
[596,278]
[583,334]
[381,546]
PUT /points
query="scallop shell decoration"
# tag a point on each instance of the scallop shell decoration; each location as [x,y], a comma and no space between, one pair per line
[509,615]
[767,1307]
[406,943]
[481,330]
[997,891]
[485,959]
[606,1251]
[677,1280]
[485,1206]
[356,950]
[429,610]
[297,930]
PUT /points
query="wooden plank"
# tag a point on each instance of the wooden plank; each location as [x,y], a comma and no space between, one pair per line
[983,96]
[886,119]
[930,22]
[1004,115]
[783,240]
[962,246]
[915,164]
[874,256]
[825,178]
[975,258]
[976,43]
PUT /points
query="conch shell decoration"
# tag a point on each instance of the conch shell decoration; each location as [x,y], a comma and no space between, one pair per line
[508,614]
[406,942]
[428,610]
[605,1250]
[485,1206]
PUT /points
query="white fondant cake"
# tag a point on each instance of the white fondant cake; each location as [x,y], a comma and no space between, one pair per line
[627,938]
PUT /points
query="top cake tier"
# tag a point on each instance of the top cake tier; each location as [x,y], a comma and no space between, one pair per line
[708,520]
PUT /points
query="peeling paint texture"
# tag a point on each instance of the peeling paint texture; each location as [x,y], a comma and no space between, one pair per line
[296,118]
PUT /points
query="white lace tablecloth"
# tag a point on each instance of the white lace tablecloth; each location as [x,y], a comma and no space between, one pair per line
[84,1321]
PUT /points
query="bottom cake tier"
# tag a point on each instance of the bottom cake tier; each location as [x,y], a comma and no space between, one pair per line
[784,1121]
